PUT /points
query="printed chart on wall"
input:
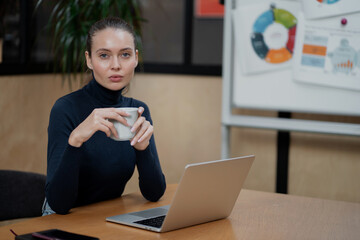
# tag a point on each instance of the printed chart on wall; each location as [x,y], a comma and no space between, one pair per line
[265,33]
[327,8]
[328,53]
[320,72]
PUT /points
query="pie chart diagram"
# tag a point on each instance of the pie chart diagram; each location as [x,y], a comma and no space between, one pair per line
[327,1]
[273,35]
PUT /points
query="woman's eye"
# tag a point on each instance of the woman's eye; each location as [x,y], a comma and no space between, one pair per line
[126,55]
[104,55]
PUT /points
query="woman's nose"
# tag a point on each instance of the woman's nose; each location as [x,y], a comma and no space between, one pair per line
[115,64]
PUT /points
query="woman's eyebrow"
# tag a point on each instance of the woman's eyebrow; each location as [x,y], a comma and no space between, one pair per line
[125,49]
[108,50]
[103,50]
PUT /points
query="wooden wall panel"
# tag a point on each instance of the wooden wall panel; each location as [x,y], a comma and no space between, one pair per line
[325,166]
[25,103]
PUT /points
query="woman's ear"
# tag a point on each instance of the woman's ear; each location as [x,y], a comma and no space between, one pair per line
[88,60]
[136,57]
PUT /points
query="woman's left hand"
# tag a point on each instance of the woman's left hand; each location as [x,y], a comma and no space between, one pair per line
[144,131]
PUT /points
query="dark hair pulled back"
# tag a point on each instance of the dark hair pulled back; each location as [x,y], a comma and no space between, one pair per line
[109,22]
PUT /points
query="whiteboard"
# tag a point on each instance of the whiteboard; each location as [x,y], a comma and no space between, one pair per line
[276,90]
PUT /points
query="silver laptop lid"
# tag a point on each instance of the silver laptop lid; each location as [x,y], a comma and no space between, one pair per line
[207,191]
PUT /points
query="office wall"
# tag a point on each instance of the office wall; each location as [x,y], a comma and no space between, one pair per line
[186,112]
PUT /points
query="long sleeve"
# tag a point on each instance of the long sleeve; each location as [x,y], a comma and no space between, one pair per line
[151,179]
[63,161]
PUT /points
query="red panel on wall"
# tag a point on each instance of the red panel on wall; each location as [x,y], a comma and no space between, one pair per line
[209,8]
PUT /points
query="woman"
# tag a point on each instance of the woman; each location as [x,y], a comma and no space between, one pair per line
[84,164]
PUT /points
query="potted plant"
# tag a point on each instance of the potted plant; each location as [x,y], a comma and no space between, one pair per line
[71,19]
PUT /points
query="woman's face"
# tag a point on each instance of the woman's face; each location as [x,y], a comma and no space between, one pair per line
[113,58]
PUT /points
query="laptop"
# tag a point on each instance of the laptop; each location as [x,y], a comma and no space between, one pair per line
[207,191]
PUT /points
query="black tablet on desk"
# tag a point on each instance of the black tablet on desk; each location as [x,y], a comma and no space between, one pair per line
[54,234]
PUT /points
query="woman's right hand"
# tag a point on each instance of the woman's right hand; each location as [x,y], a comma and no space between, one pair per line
[97,121]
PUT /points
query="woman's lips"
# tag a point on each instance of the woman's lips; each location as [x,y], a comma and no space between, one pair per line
[116,78]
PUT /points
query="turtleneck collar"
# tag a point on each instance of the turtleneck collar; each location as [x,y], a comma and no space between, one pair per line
[103,95]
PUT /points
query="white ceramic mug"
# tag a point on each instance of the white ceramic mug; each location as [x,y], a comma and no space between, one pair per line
[123,131]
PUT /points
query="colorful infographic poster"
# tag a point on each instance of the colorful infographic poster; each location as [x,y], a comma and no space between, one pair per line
[327,53]
[265,35]
[327,8]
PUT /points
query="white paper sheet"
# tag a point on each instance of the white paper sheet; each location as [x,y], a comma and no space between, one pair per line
[327,53]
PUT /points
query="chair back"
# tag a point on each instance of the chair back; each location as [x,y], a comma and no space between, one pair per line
[21,194]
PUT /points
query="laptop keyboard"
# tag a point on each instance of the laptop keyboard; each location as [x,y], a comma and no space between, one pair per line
[153,222]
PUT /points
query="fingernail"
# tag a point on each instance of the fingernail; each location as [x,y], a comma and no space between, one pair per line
[132,143]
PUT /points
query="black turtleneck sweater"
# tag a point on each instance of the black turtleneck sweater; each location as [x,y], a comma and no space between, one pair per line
[101,167]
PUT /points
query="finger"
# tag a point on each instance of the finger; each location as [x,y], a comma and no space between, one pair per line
[112,113]
[115,116]
[140,133]
[121,112]
[105,129]
[147,134]
[140,111]
[111,128]
[137,124]
[143,129]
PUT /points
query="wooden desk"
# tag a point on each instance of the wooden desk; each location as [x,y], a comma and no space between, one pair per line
[257,215]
